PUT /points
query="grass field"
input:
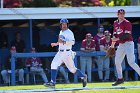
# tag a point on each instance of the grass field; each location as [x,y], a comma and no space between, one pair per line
[96,87]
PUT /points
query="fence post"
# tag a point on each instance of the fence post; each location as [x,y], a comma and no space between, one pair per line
[13,70]
[30,26]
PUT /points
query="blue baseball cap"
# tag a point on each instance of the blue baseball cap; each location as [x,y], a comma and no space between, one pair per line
[64,20]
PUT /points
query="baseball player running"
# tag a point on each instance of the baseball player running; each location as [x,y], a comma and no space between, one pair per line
[65,55]
[123,34]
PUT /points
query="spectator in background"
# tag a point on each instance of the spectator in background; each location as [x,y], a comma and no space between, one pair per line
[6,72]
[97,39]
[104,62]
[88,45]
[34,64]
[3,40]
[18,43]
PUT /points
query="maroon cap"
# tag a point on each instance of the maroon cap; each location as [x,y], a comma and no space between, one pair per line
[13,48]
[88,35]
[107,33]
[33,49]
[121,11]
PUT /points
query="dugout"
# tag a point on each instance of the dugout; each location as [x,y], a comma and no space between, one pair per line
[46,20]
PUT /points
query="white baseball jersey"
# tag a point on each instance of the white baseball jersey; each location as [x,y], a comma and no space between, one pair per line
[66,55]
[68,37]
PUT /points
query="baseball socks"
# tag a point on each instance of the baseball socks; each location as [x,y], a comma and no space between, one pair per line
[53,75]
[80,74]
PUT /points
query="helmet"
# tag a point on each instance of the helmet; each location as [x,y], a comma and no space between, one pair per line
[121,11]
[64,20]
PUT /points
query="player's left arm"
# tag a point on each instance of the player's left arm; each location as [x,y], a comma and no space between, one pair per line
[123,37]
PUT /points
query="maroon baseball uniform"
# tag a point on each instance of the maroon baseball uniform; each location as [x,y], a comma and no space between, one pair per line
[97,42]
[33,62]
[126,47]
[87,45]
[121,28]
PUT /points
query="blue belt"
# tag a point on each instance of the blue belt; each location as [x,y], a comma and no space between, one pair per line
[64,50]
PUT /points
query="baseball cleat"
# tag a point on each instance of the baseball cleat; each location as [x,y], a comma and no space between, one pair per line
[84,81]
[50,85]
[119,81]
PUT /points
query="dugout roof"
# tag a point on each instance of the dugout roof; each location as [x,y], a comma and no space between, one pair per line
[70,13]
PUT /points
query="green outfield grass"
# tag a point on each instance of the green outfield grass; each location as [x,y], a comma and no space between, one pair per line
[79,85]
[108,91]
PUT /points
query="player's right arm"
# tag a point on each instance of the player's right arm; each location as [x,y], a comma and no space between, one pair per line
[54,44]
[60,40]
